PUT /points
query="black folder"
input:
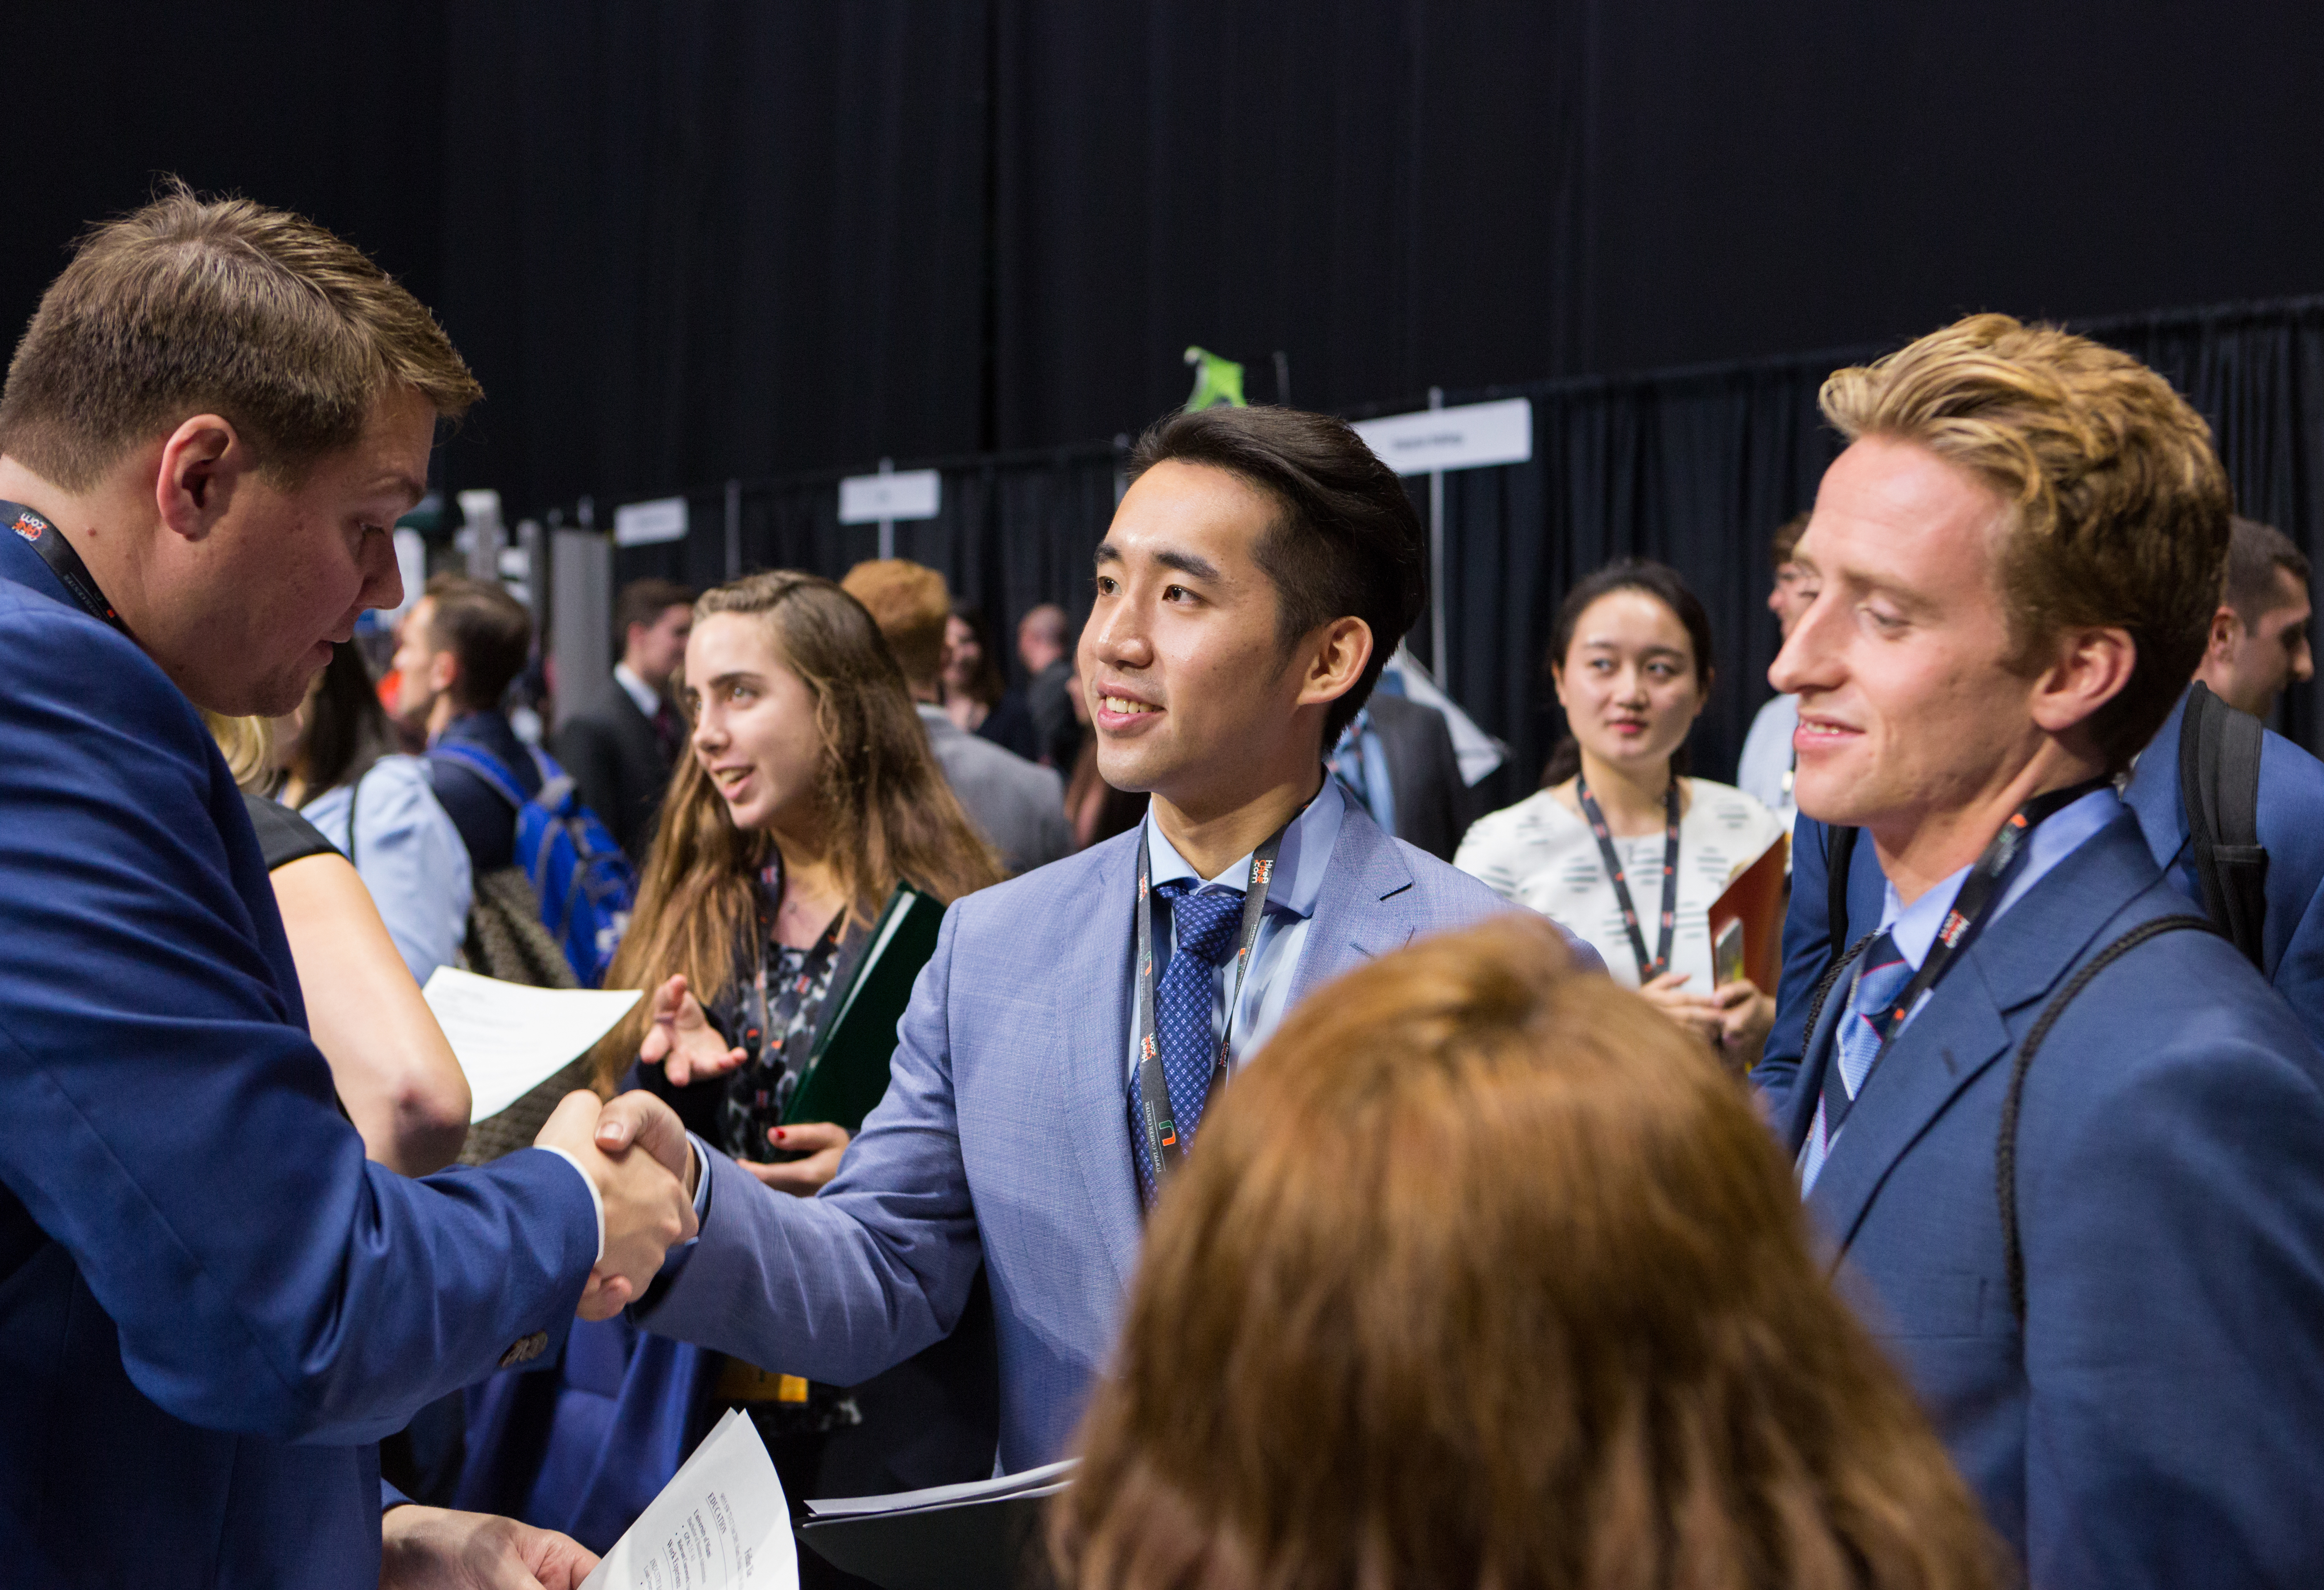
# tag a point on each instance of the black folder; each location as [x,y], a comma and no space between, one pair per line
[846,1072]
[985,1536]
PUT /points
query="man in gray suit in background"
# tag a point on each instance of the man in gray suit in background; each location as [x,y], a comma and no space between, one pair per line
[1256,576]
[1018,805]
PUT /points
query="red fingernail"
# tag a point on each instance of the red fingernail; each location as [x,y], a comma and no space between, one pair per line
[779,1133]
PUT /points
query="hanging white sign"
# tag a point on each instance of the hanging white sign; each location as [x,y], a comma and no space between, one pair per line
[1471,437]
[641,524]
[867,498]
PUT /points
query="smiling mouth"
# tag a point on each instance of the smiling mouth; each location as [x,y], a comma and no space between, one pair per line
[1122,706]
[730,780]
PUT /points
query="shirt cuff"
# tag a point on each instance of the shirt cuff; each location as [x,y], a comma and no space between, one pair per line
[596,1200]
[701,1152]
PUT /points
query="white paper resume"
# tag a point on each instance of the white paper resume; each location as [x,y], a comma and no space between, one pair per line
[509,1038]
[719,1524]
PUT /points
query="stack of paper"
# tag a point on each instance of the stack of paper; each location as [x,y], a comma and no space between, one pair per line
[509,1038]
[719,1524]
[984,1536]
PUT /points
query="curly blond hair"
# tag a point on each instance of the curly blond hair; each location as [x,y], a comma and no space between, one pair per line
[2118,507]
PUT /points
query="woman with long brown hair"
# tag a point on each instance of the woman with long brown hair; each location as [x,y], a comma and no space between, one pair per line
[1485,1276]
[809,799]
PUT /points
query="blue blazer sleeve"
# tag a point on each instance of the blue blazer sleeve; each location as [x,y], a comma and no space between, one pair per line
[164,1118]
[1806,928]
[840,1286]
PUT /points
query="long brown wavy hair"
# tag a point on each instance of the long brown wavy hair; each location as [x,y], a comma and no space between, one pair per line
[1483,1276]
[888,811]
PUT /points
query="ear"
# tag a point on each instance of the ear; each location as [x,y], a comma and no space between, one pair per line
[204,463]
[1557,681]
[1336,656]
[2092,669]
[1703,699]
[443,671]
[2226,624]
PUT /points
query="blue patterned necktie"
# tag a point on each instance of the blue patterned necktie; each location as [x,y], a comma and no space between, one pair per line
[1184,1001]
[1880,977]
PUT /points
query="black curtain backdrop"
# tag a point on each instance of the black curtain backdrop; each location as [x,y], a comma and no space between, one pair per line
[1695,467]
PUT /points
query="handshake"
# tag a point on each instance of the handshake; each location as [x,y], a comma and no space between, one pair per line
[636,1154]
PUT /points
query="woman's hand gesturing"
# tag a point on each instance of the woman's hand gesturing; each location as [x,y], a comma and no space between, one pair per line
[681,1040]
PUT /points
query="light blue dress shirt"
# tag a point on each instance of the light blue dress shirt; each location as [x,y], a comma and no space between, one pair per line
[408,855]
[1915,927]
[1291,896]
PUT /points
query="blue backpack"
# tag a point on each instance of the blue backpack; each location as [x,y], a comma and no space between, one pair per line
[585,885]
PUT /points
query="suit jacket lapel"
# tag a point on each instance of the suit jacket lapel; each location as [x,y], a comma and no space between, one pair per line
[1090,1063]
[2153,792]
[2017,960]
[1356,918]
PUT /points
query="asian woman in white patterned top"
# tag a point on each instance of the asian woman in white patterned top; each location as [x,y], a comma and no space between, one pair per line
[1618,845]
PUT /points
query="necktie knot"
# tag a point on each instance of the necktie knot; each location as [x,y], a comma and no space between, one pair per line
[1205,922]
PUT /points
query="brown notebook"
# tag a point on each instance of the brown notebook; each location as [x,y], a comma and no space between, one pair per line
[1755,897]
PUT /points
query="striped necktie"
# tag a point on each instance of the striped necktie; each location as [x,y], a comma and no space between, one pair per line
[1880,977]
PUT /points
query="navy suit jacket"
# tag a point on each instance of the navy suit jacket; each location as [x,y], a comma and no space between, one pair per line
[210,1304]
[1005,1136]
[2291,826]
[2155,1420]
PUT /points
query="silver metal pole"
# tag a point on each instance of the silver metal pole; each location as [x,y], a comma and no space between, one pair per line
[734,529]
[1438,649]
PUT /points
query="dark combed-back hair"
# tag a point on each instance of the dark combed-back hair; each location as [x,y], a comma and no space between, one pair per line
[486,628]
[643,602]
[1347,543]
[1483,1276]
[346,728]
[2254,553]
[889,815]
[1665,585]
[192,305]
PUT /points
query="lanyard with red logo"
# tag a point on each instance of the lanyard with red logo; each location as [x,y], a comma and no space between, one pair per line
[1164,1145]
[62,560]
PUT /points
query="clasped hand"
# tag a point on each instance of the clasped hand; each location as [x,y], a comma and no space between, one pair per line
[642,1185]
[1734,1018]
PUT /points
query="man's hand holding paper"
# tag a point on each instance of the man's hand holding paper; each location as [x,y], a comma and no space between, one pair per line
[647,1208]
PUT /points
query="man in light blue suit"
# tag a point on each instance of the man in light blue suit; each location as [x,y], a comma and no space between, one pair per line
[212,1306]
[2103,1272]
[1255,577]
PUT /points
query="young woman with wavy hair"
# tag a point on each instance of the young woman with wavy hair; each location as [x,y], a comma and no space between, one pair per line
[1487,1276]
[809,797]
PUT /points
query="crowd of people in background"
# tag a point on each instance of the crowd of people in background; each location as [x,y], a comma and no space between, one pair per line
[1373,1189]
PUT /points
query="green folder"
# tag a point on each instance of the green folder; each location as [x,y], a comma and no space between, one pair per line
[847,1070]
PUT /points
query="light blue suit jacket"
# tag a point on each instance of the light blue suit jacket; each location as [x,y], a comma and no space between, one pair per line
[1005,1137]
[2155,1420]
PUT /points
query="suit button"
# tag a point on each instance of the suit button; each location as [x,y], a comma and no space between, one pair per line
[525,1349]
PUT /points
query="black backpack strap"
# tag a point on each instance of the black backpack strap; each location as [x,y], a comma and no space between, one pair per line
[2004,1153]
[1838,851]
[2219,751]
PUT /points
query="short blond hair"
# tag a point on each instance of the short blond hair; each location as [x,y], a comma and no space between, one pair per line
[2118,507]
[225,306]
[910,604]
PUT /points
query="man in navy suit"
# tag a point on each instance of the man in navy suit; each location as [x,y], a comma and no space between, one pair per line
[2016,557]
[1255,578]
[211,1306]
[2256,645]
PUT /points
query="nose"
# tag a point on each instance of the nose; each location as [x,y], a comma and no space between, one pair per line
[382,584]
[1810,657]
[1116,636]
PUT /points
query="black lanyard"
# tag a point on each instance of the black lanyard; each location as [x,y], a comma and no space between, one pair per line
[1647,969]
[1164,1147]
[63,561]
[1963,923]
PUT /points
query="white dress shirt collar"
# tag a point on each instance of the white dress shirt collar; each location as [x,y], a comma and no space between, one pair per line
[1299,869]
[648,698]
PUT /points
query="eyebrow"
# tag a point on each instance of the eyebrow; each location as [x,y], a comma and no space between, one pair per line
[411,487]
[1186,563]
[1587,644]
